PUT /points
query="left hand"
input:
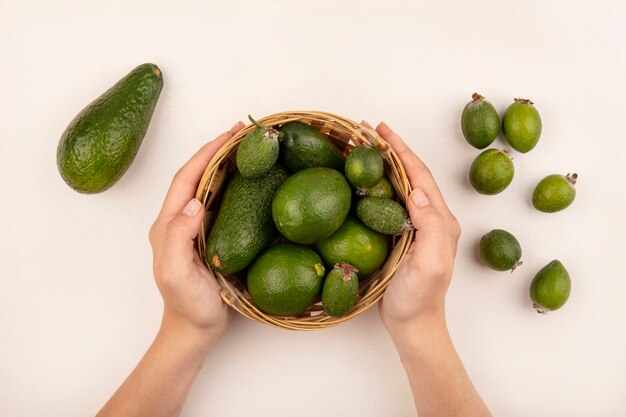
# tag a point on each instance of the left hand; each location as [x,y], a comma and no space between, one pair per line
[192,302]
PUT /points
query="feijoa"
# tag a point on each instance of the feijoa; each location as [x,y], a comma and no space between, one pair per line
[311,204]
[500,250]
[550,288]
[383,188]
[480,122]
[383,215]
[491,172]
[555,192]
[521,125]
[364,167]
[341,289]
[258,151]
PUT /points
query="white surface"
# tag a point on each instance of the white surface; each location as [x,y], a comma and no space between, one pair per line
[78,306]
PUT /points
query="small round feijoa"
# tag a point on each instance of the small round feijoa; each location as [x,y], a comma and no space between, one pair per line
[364,167]
[521,125]
[491,172]
[550,288]
[480,122]
[555,193]
[500,250]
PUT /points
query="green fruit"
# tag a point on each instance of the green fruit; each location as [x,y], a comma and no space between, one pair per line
[480,122]
[341,289]
[550,288]
[355,244]
[286,279]
[555,193]
[382,188]
[383,215]
[258,151]
[243,226]
[311,204]
[521,125]
[101,142]
[500,250]
[303,146]
[364,167]
[491,172]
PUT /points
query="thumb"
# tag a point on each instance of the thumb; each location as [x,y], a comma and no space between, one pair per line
[424,216]
[431,239]
[182,230]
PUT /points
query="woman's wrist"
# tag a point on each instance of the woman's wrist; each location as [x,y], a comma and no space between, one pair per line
[415,332]
[184,333]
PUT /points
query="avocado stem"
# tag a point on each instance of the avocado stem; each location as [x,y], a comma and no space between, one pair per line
[254,122]
[523,101]
[572,178]
[477,97]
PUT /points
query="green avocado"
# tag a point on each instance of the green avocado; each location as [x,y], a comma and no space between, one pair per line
[101,142]
[243,226]
[302,146]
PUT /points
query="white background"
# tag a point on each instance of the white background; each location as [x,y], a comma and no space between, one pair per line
[78,306]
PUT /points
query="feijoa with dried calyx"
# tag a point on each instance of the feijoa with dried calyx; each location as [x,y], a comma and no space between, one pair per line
[341,290]
[521,125]
[550,288]
[500,250]
[364,167]
[383,188]
[491,172]
[258,151]
[480,122]
[383,215]
[555,193]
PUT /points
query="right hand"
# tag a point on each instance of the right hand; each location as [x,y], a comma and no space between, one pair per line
[416,294]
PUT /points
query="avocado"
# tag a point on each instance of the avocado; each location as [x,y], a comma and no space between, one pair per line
[101,142]
[286,279]
[302,146]
[311,204]
[243,226]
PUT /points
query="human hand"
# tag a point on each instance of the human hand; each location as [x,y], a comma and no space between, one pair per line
[416,294]
[192,303]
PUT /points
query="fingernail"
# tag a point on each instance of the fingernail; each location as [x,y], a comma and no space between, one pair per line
[192,208]
[236,127]
[364,123]
[419,198]
[383,124]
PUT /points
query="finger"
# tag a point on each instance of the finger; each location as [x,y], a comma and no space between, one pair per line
[432,238]
[180,233]
[186,180]
[418,173]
